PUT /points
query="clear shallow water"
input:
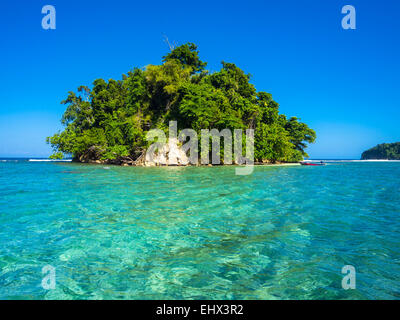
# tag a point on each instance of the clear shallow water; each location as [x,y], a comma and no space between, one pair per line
[199,233]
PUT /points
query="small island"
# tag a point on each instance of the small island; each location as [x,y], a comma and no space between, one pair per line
[108,122]
[389,151]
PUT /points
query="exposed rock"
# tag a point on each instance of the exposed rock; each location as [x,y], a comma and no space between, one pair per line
[169,154]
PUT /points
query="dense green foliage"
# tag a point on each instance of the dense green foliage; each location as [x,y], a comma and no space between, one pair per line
[390,151]
[110,120]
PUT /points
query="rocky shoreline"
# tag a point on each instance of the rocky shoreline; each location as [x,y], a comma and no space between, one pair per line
[169,154]
[132,163]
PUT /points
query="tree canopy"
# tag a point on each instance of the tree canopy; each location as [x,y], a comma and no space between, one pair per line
[109,121]
[390,151]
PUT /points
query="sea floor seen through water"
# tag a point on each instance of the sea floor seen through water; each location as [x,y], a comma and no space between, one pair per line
[199,233]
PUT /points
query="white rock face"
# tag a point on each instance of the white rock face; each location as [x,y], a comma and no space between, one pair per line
[169,154]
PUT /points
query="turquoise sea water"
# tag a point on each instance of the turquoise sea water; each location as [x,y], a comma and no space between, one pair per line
[199,233]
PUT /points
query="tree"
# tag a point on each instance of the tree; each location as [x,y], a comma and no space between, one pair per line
[390,151]
[300,134]
[57,156]
[109,121]
[188,56]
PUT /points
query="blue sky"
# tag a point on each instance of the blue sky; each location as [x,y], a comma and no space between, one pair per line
[343,83]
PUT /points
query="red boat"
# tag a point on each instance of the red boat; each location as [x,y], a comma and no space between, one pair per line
[307,163]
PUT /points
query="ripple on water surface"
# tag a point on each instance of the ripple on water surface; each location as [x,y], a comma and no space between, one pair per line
[199,233]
